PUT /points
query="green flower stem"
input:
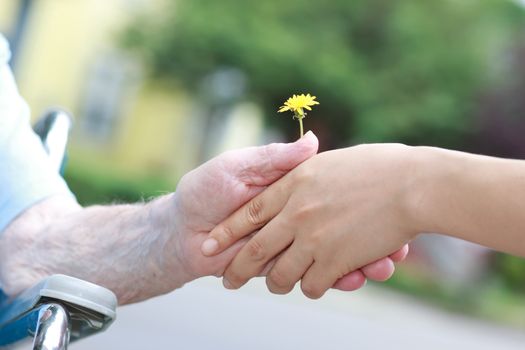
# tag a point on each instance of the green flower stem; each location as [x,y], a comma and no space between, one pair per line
[300,115]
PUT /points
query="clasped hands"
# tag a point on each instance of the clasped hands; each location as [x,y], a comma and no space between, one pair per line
[329,220]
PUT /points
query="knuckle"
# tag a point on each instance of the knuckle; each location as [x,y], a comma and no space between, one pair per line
[316,239]
[255,250]
[303,213]
[254,212]
[303,174]
[226,233]
[267,151]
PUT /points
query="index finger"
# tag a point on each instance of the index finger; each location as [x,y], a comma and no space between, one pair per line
[248,218]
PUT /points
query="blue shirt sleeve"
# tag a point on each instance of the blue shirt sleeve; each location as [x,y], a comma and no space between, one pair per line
[26,175]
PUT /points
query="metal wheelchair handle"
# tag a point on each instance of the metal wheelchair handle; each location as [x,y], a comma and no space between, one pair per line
[56,311]
[53,328]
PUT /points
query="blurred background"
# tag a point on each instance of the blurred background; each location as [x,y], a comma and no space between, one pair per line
[158,87]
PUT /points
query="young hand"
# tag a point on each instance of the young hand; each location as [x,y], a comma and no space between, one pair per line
[333,214]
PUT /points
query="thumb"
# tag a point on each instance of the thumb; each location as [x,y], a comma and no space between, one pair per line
[261,166]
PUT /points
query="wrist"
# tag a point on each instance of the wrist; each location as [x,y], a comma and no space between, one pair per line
[164,219]
[435,169]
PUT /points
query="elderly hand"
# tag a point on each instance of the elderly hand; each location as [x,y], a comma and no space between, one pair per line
[209,194]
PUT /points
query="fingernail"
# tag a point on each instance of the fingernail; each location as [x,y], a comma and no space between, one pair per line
[209,246]
[227,284]
[307,135]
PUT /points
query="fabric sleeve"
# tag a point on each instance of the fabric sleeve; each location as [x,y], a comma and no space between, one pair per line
[26,175]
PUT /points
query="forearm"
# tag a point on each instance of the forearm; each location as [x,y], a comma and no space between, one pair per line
[125,248]
[477,198]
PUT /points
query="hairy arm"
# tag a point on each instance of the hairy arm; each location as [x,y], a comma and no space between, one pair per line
[126,248]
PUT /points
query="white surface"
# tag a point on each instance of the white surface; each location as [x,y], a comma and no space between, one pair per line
[203,315]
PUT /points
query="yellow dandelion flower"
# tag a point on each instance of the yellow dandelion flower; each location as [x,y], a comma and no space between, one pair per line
[297,104]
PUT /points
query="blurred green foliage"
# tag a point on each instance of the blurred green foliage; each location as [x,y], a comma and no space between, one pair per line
[92,185]
[511,270]
[490,299]
[383,70]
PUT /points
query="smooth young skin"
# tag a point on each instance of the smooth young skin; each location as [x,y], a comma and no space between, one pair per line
[346,208]
[146,249]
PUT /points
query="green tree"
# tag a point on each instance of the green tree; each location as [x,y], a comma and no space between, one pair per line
[406,70]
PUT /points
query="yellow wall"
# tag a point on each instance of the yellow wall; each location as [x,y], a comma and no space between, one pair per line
[7,14]
[155,135]
[62,39]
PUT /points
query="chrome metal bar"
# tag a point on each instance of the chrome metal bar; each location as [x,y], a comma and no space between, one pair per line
[58,310]
[53,328]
